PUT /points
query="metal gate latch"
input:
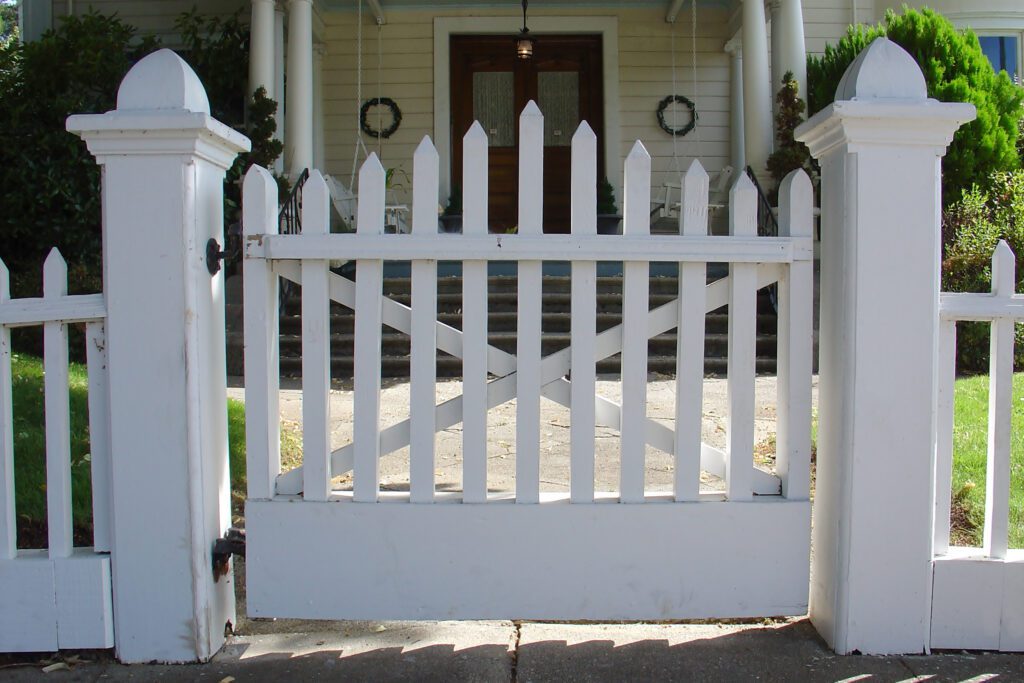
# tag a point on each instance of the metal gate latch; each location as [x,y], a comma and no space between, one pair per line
[233,543]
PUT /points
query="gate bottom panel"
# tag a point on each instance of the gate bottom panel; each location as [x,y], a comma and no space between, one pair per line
[345,560]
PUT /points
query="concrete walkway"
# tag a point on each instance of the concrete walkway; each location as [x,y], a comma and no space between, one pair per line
[787,651]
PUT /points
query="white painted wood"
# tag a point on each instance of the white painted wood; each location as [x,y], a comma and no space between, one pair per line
[1000,406]
[164,161]
[944,437]
[28,611]
[366,380]
[262,361]
[609,342]
[523,247]
[880,164]
[84,607]
[984,308]
[1011,627]
[795,344]
[635,304]
[474,321]
[69,309]
[99,435]
[693,222]
[742,347]
[316,348]
[967,607]
[490,580]
[8,529]
[584,318]
[423,357]
[58,414]
[528,328]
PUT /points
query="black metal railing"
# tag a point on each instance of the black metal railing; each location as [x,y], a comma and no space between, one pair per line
[289,222]
[767,222]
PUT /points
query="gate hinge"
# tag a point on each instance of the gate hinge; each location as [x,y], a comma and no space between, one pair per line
[233,543]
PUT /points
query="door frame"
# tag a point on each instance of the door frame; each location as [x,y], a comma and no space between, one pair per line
[606,27]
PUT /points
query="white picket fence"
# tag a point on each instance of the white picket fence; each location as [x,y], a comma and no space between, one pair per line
[962,615]
[754,262]
[59,597]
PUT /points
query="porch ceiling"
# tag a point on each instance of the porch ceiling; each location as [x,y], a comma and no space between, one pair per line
[345,5]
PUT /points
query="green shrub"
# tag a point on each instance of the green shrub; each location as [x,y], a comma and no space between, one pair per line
[50,180]
[956,70]
[972,227]
[789,154]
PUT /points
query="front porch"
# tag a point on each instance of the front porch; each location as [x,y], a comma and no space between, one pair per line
[339,54]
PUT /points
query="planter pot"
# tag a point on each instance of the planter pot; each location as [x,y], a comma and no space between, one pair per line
[609,224]
[451,223]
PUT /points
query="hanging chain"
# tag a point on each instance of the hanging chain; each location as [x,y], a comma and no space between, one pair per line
[693,58]
[380,109]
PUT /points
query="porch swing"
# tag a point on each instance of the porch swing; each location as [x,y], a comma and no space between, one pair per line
[666,208]
[344,200]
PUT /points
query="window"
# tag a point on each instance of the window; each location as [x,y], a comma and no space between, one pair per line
[1003,52]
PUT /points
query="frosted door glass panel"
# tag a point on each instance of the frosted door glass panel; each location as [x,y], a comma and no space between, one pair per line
[558,93]
[493,93]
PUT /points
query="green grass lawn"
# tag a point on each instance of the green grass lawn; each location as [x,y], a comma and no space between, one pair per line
[30,450]
[969,441]
[970,452]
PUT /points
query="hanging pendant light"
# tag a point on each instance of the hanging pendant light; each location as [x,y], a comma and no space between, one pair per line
[524,42]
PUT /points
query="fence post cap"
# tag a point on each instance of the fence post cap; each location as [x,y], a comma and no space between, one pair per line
[883,71]
[162,81]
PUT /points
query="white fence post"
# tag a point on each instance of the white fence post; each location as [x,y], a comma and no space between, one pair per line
[164,159]
[879,145]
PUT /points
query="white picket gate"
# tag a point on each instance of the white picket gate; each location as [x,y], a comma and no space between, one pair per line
[978,593]
[59,597]
[320,553]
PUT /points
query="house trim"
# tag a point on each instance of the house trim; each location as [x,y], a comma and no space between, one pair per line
[606,27]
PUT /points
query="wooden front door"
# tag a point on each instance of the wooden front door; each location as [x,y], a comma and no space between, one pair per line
[489,84]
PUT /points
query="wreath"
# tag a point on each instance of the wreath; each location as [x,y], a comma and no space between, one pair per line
[396,117]
[672,99]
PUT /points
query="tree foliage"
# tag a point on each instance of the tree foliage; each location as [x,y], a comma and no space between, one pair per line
[955,70]
[50,180]
[972,227]
[51,183]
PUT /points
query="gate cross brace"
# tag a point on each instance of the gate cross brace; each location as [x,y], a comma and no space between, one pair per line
[553,369]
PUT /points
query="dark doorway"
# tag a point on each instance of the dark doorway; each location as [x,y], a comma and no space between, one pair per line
[489,84]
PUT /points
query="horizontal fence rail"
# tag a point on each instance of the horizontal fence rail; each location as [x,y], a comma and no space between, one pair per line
[64,592]
[492,376]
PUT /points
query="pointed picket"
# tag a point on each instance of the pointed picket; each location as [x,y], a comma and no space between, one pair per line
[693,222]
[262,376]
[8,530]
[584,320]
[474,320]
[795,344]
[742,347]
[366,377]
[423,339]
[58,417]
[635,290]
[1000,407]
[528,347]
[316,348]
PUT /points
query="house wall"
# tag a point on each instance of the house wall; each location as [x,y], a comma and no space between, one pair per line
[150,17]
[644,77]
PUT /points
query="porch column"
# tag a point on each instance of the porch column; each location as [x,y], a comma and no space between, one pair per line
[789,52]
[737,153]
[261,47]
[318,105]
[880,145]
[298,139]
[757,99]
[279,81]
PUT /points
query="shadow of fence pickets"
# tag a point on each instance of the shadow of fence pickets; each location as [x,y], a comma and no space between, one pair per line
[58,597]
[961,617]
[492,376]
